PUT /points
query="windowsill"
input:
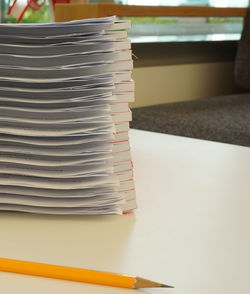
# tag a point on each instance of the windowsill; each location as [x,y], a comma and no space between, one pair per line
[185,38]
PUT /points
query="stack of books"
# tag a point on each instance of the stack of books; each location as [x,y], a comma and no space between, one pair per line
[64,93]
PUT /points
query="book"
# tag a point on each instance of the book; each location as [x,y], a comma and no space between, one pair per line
[64,94]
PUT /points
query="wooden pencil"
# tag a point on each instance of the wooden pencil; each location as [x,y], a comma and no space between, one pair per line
[76,274]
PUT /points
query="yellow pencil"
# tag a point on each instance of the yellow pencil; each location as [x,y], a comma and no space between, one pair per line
[75,274]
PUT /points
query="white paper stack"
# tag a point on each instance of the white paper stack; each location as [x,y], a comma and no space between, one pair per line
[64,117]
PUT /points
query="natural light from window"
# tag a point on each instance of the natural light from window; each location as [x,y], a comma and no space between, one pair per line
[183,29]
[216,3]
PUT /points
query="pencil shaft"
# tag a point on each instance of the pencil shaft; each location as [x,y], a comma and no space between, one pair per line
[66,273]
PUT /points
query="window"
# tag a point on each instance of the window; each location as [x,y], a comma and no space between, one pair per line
[146,29]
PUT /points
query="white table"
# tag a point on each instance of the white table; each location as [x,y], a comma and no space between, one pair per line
[191,230]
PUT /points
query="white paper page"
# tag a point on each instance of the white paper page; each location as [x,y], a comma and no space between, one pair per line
[87,98]
[129,206]
[64,141]
[119,107]
[73,118]
[120,146]
[62,93]
[121,156]
[104,168]
[123,166]
[63,60]
[84,97]
[128,195]
[95,201]
[125,175]
[127,86]
[122,117]
[88,79]
[67,72]
[96,103]
[57,160]
[68,150]
[126,186]
[109,209]
[122,127]
[91,118]
[57,183]
[27,109]
[125,97]
[121,25]
[33,130]
[50,31]
[57,83]
[58,109]
[100,191]
[122,76]
[60,40]
[122,136]
[65,48]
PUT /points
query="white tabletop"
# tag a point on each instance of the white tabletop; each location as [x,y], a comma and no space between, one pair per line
[191,228]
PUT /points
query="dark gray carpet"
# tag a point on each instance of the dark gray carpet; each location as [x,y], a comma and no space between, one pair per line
[223,119]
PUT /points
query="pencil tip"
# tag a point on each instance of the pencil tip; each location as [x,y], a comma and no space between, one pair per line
[166,286]
[143,283]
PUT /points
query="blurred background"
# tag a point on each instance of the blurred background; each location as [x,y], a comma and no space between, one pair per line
[151,28]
